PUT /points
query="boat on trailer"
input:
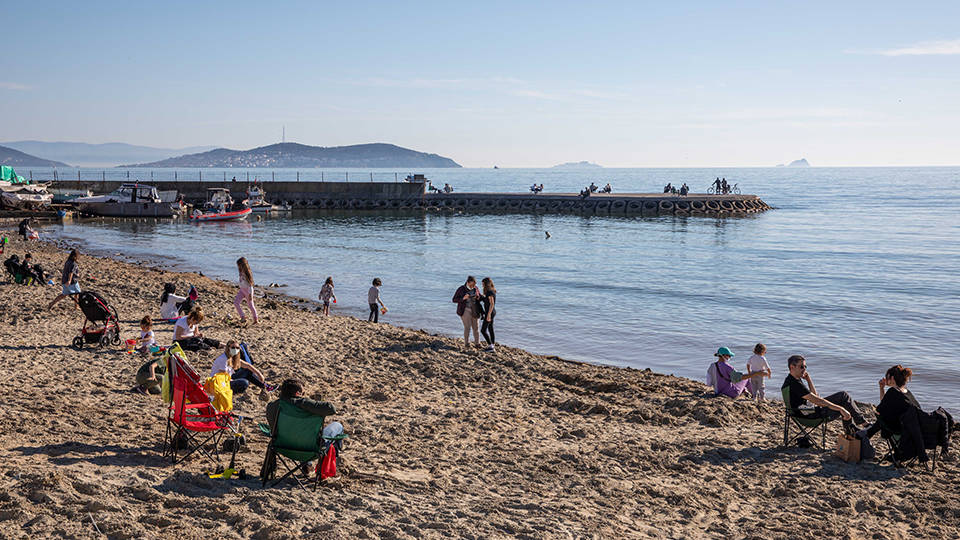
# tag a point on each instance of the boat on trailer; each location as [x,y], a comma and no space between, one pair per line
[220,207]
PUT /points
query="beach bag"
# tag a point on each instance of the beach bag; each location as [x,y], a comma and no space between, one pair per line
[328,467]
[218,387]
[848,448]
[866,449]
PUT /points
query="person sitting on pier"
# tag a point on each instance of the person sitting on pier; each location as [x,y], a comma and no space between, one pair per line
[593,187]
[447,188]
[584,193]
[667,188]
[684,189]
[607,189]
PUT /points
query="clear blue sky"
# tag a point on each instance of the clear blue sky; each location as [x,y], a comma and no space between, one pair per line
[497,83]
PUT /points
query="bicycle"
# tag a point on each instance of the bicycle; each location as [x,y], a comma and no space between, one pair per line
[731,190]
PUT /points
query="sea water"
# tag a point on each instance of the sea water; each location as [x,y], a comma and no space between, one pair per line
[857,269]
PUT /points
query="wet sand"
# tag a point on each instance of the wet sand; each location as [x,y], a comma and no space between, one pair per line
[444,442]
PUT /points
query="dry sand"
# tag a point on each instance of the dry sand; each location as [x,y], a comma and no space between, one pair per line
[444,442]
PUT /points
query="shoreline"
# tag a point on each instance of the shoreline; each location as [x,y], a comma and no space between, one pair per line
[444,441]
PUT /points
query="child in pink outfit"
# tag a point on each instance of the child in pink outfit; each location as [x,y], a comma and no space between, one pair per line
[245,294]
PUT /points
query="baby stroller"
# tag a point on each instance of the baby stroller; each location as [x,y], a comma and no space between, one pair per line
[105,327]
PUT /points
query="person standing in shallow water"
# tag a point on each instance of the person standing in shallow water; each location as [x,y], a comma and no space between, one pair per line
[468,308]
[373,298]
[489,301]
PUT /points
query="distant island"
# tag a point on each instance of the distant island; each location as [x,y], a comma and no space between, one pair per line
[802,162]
[577,165]
[16,158]
[100,155]
[293,155]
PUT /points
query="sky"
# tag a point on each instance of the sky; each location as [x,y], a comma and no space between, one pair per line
[514,84]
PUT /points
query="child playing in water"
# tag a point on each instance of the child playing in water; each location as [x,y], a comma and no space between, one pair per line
[373,298]
[146,335]
[758,363]
[326,293]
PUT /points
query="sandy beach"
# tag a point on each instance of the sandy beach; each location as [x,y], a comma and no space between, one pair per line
[444,442]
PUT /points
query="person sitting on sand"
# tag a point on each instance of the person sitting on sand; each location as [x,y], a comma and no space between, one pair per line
[242,373]
[147,339]
[187,334]
[147,380]
[900,412]
[70,278]
[724,379]
[169,301]
[838,404]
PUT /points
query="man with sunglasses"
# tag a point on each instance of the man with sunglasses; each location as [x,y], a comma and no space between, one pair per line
[838,404]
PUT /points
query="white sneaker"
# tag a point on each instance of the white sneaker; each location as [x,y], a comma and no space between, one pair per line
[490,349]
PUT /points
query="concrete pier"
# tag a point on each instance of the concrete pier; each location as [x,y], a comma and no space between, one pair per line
[380,196]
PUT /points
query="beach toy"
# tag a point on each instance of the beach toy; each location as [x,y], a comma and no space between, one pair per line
[49,282]
[34,235]
[131,345]
[334,300]
[383,311]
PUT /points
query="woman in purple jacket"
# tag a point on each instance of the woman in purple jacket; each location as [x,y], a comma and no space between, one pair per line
[467,299]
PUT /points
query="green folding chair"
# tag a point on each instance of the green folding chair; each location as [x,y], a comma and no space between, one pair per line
[806,425]
[296,440]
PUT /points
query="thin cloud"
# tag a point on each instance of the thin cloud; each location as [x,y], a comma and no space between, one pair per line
[923,48]
[13,86]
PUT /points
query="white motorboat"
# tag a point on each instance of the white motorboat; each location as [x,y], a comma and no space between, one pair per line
[129,200]
[257,202]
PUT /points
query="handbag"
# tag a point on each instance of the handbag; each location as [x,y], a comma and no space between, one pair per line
[848,448]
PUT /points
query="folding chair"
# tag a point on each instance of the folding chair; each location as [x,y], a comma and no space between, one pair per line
[191,418]
[894,440]
[296,440]
[805,424]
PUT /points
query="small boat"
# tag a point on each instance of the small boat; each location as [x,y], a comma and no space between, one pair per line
[258,204]
[129,200]
[24,196]
[64,196]
[220,207]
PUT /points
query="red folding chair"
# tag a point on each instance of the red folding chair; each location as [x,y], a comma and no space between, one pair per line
[191,419]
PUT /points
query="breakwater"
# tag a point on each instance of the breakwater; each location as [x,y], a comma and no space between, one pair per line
[382,196]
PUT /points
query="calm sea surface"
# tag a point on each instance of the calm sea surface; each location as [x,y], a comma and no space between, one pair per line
[857,269]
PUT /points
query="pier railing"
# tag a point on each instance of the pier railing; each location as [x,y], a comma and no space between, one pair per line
[211,175]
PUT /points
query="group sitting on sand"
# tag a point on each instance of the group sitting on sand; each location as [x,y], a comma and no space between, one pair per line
[898,411]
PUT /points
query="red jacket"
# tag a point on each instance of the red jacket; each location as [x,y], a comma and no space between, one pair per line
[458,298]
